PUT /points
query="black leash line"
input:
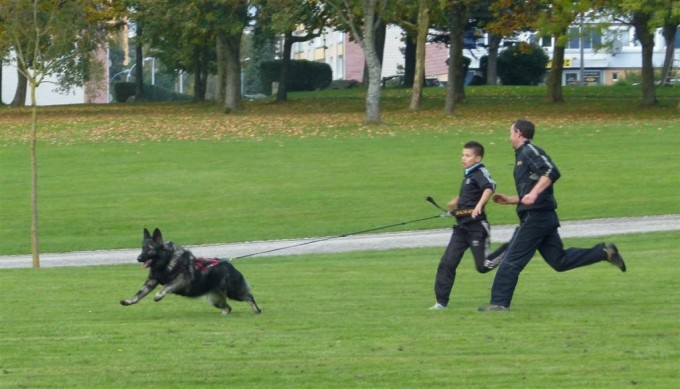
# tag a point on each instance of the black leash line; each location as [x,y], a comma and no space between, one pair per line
[336,236]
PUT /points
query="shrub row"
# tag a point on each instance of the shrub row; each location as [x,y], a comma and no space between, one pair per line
[302,75]
[123,91]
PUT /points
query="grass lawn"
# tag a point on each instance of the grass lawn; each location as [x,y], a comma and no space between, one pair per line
[311,168]
[352,320]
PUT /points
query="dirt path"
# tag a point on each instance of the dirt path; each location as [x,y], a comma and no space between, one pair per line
[364,242]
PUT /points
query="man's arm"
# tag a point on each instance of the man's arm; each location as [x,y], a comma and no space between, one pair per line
[504,199]
[543,183]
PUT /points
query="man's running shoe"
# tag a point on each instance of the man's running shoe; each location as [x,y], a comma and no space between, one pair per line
[614,257]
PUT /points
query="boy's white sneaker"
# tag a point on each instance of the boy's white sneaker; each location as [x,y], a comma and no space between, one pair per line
[437,307]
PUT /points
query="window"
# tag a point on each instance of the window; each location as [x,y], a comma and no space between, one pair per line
[677,39]
[546,41]
[591,38]
[340,68]
[574,39]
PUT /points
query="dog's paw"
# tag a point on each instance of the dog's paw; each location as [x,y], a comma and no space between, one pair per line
[158,297]
[126,302]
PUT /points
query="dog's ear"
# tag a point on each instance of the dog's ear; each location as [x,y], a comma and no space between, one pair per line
[147,235]
[157,236]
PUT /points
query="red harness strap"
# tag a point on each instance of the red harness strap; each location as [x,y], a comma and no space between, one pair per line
[204,264]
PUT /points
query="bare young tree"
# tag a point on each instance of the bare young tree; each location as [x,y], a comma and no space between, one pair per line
[50,38]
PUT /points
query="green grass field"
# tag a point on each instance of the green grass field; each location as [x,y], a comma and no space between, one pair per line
[311,168]
[352,320]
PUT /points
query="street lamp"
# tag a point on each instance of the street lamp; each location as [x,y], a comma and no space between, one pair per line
[153,70]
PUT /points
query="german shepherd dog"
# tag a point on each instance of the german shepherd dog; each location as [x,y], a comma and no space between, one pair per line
[181,273]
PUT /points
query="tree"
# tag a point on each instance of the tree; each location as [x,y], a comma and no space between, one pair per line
[457,20]
[554,20]
[361,16]
[231,18]
[188,46]
[297,21]
[50,38]
[642,15]
[423,26]
[670,16]
[522,64]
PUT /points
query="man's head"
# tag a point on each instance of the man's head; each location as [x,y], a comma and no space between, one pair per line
[521,131]
[473,152]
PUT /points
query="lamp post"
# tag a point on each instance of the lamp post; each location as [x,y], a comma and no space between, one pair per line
[153,70]
[581,43]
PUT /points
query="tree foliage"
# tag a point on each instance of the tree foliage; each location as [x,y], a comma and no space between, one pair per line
[522,64]
[296,21]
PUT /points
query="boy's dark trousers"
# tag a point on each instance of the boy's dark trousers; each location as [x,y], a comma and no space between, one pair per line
[538,231]
[473,235]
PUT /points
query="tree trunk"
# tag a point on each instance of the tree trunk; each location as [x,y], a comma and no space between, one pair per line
[450,101]
[205,71]
[648,87]
[409,59]
[35,247]
[646,38]
[455,91]
[139,67]
[457,41]
[282,92]
[555,76]
[221,66]
[373,63]
[232,100]
[492,59]
[379,38]
[20,94]
[198,72]
[669,31]
[419,78]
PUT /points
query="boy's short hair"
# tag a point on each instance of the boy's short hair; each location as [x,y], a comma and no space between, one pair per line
[525,127]
[476,147]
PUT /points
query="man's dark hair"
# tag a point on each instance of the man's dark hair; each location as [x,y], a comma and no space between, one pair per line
[476,147]
[525,127]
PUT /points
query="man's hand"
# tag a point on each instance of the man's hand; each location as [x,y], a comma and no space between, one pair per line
[529,199]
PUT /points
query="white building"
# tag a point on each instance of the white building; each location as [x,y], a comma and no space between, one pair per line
[606,57]
[46,93]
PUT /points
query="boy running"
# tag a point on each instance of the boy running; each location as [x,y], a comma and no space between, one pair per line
[471,229]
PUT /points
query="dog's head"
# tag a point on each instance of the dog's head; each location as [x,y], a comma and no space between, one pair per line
[153,248]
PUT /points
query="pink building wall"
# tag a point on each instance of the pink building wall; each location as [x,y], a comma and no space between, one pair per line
[436,55]
[354,60]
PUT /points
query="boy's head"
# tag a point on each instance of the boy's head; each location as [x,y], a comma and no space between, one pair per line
[473,152]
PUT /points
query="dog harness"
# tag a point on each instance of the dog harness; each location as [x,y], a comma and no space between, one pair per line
[203,264]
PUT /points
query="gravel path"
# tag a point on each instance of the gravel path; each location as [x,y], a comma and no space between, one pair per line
[363,242]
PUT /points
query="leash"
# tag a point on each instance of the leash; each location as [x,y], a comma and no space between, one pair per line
[336,237]
[428,199]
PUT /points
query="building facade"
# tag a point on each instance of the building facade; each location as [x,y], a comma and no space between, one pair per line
[596,58]
[47,93]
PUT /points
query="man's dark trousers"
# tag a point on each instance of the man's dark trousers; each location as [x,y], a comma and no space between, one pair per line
[538,231]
